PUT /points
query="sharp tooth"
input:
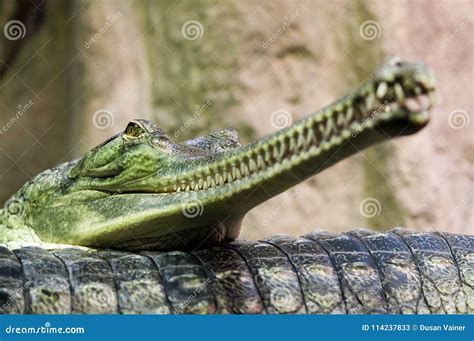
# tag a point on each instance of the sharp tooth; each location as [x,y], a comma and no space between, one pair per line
[187,188]
[268,156]
[175,187]
[382,90]
[193,185]
[260,162]
[219,179]
[201,183]
[301,141]
[235,173]
[321,129]
[369,100]
[340,119]
[310,138]
[229,177]
[399,93]
[349,114]
[226,176]
[276,154]
[329,126]
[244,169]
[292,143]
[210,181]
[178,189]
[282,149]
[252,165]
[183,186]
[213,183]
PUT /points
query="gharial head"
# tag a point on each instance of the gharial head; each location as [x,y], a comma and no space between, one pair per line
[143,158]
[398,85]
[141,190]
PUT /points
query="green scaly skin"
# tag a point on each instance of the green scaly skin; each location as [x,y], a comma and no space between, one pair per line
[140,190]
[358,272]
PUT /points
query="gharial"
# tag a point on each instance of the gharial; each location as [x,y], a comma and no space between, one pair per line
[140,191]
[129,191]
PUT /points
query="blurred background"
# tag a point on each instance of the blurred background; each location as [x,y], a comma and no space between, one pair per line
[72,73]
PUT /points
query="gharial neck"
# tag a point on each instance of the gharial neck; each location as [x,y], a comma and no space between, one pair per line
[251,174]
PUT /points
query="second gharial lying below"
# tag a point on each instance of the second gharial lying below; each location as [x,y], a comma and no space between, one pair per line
[138,189]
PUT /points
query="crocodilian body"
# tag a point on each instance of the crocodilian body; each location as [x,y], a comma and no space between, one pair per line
[140,190]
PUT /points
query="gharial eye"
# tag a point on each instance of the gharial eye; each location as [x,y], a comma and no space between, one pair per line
[133,130]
